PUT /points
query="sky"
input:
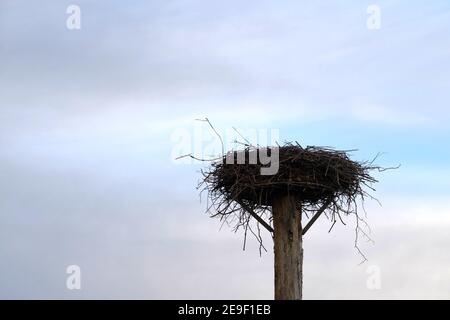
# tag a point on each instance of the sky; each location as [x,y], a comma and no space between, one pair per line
[91,120]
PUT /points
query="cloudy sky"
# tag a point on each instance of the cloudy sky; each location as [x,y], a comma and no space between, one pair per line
[92,118]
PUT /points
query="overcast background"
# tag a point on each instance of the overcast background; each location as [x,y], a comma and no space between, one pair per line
[90,122]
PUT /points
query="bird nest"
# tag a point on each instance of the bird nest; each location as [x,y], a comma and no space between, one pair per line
[319,179]
[311,175]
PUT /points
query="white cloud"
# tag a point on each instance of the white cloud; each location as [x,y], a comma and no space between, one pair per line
[389,116]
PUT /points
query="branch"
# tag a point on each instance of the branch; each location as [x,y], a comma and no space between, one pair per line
[316,216]
[254,215]
[215,131]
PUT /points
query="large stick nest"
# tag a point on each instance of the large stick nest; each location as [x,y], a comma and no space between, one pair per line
[320,180]
[311,175]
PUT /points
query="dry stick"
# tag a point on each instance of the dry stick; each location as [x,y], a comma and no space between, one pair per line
[246,140]
[198,159]
[215,131]
[318,213]
[254,215]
